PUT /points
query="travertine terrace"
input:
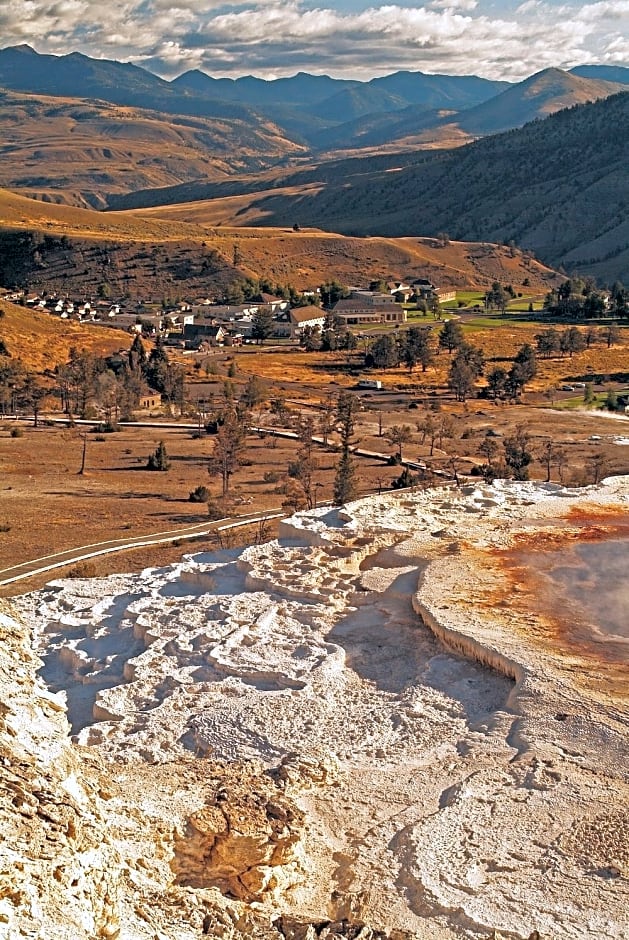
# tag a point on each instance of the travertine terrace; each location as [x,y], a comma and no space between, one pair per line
[370,727]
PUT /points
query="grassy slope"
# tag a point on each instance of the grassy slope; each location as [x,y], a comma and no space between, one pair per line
[78,152]
[304,258]
[42,341]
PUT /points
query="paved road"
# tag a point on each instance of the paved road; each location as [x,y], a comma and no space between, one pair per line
[71,556]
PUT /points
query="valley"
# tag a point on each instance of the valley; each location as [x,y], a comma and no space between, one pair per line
[314,475]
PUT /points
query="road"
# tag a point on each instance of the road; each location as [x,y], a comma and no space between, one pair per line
[71,556]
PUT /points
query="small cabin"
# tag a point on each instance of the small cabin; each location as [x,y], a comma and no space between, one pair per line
[149,401]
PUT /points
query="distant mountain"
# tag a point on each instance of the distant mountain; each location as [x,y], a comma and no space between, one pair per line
[301,90]
[605,73]
[438,91]
[337,101]
[538,96]
[351,103]
[23,69]
[558,186]
[77,151]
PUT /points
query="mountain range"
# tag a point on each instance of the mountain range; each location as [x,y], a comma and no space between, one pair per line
[316,111]
[558,187]
[359,157]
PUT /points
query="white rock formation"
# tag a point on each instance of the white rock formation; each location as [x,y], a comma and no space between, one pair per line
[370,720]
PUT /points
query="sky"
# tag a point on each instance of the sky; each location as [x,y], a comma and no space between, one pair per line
[357,39]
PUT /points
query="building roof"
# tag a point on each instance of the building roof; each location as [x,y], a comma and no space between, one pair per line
[304,314]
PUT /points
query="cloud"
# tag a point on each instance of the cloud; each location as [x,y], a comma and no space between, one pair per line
[236,37]
[465,5]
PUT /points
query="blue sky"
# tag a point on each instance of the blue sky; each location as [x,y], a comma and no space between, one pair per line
[507,39]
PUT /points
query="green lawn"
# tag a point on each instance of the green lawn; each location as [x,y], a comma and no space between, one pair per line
[471,297]
[489,322]
[571,404]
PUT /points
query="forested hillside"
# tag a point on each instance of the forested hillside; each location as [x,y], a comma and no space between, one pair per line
[559,187]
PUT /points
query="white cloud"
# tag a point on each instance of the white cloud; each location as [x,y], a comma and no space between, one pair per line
[248,36]
[465,5]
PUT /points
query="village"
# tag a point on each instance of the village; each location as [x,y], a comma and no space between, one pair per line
[203,323]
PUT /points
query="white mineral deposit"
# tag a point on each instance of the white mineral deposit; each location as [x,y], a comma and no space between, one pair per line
[376,723]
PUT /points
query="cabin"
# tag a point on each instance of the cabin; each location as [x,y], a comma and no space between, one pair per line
[149,401]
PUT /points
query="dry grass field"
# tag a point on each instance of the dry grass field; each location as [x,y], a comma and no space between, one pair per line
[47,506]
[500,343]
[42,341]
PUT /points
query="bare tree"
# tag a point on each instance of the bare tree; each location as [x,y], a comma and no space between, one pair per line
[427,427]
[228,446]
[399,434]
[546,456]
[598,465]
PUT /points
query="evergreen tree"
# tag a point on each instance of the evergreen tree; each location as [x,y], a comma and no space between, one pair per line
[451,335]
[263,325]
[417,348]
[158,460]
[524,369]
[384,353]
[345,479]
[518,455]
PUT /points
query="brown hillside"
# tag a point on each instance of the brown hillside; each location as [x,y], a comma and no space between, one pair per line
[42,341]
[76,152]
[155,253]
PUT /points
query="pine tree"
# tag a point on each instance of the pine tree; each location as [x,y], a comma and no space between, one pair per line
[345,479]
[263,325]
[158,460]
[451,335]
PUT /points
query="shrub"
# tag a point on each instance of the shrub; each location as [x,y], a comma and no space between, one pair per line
[200,495]
[17,432]
[84,569]
[406,478]
[214,510]
[158,460]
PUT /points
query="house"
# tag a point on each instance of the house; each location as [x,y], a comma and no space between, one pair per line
[445,295]
[399,291]
[275,303]
[426,290]
[301,317]
[208,334]
[150,400]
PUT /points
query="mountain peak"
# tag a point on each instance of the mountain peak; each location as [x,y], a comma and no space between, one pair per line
[22,47]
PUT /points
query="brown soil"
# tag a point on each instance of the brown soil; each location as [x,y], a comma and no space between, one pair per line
[47,506]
